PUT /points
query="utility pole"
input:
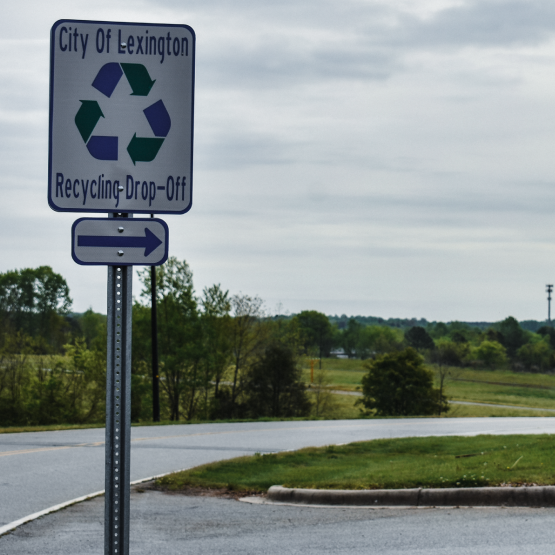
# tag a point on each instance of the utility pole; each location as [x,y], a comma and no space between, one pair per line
[154,330]
[549,289]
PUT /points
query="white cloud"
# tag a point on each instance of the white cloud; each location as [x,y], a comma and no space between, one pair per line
[385,158]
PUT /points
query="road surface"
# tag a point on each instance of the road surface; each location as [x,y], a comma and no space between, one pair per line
[42,469]
[176,524]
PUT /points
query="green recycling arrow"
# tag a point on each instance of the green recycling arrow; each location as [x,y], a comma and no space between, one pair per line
[87,117]
[143,149]
[138,78]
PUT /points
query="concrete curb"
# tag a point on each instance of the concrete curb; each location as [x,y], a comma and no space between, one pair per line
[539,496]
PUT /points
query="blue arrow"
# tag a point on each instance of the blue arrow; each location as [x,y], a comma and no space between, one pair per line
[149,242]
[107,78]
[158,118]
[103,148]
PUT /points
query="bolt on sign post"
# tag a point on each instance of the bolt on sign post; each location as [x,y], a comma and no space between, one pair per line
[120,142]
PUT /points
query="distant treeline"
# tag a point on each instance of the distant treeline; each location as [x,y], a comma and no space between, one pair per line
[404,323]
[221,356]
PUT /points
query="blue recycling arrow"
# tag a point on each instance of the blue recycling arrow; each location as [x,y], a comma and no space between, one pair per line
[107,78]
[158,118]
[149,242]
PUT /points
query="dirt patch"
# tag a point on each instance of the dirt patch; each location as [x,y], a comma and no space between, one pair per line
[196,491]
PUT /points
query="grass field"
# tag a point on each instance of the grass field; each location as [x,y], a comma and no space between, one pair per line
[390,464]
[504,388]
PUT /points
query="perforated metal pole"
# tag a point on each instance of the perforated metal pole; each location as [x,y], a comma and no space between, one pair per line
[118,411]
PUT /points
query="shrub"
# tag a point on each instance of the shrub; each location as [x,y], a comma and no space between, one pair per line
[398,384]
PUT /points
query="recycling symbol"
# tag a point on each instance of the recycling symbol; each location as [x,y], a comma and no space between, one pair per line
[140,149]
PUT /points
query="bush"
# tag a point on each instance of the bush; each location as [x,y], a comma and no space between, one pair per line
[398,384]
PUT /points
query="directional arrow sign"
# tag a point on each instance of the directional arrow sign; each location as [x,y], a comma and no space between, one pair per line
[119,242]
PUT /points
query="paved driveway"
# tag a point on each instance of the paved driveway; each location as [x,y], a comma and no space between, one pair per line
[39,470]
[176,524]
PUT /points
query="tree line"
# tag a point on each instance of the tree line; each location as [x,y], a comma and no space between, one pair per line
[221,356]
[503,344]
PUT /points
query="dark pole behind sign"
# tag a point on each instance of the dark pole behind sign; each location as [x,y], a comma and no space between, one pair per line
[154,326]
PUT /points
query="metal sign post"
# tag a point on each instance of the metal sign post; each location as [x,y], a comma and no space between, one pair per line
[120,141]
[118,411]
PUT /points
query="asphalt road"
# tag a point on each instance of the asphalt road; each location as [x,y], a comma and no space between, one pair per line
[39,470]
[177,524]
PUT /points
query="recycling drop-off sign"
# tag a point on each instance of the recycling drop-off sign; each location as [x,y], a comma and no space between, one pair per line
[121,117]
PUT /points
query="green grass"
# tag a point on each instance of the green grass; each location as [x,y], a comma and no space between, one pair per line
[348,410]
[474,411]
[344,407]
[514,394]
[438,462]
[343,373]
[512,388]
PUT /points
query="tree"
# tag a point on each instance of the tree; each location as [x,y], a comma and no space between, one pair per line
[494,335]
[377,340]
[216,328]
[398,384]
[418,338]
[350,338]
[491,353]
[458,337]
[274,385]
[513,335]
[549,332]
[324,400]
[141,363]
[15,378]
[46,389]
[536,355]
[437,330]
[179,335]
[247,334]
[317,332]
[35,302]
[447,354]
[93,328]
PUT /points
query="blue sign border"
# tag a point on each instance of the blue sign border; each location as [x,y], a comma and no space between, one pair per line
[51,110]
[122,220]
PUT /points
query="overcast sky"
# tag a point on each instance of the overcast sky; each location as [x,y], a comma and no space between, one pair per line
[392,158]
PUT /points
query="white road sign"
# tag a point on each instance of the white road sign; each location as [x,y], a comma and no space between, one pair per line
[119,241]
[121,117]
